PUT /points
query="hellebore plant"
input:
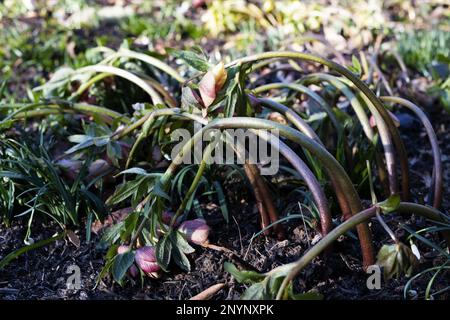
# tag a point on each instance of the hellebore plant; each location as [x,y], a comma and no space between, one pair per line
[320,148]
[145,258]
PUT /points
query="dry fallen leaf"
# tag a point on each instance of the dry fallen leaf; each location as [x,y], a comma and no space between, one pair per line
[73,238]
[113,218]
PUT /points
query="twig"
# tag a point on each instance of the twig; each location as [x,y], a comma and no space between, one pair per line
[208,293]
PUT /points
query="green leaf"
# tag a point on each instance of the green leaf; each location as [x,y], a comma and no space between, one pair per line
[356,66]
[396,259]
[158,191]
[310,295]
[390,204]
[179,241]
[243,276]
[257,291]
[192,59]
[83,145]
[189,101]
[164,252]
[130,224]
[79,138]
[122,263]
[181,260]
[222,200]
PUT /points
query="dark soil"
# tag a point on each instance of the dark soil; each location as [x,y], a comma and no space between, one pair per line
[41,274]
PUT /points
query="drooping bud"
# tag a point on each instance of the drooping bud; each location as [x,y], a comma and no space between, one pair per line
[211,83]
[133,271]
[71,168]
[195,231]
[167,218]
[98,167]
[145,258]
[220,75]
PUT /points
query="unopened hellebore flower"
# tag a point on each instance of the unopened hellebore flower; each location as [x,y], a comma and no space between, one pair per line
[98,167]
[146,260]
[71,168]
[211,83]
[195,231]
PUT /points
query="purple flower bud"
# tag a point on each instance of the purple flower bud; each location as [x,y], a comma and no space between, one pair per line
[133,271]
[195,231]
[146,260]
[167,218]
[98,167]
[70,167]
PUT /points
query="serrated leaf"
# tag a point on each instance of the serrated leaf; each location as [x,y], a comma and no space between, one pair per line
[189,101]
[122,263]
[191,58]
[180,259]
[180,242]
[164,252]
[125,190]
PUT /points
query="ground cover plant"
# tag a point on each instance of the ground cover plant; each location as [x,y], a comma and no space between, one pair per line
[88,158]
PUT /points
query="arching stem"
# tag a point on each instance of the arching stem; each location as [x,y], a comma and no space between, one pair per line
[437,185]
[361,217]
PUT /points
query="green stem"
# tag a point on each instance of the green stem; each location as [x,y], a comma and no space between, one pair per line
[147,59]
[156,99]
[308,131]
[354,102]
[23,111]
[358,83]
[89,83]
[198,176]
[333,167]
[303,89]
[292,116]
[314,186]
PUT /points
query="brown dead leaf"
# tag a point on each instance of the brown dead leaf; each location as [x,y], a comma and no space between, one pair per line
[73,237]
[112,219]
